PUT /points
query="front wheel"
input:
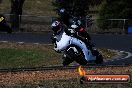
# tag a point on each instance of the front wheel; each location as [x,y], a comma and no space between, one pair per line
[74,53]
[99,57]
[80,59]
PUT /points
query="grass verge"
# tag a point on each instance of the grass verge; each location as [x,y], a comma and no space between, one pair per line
[31,7]
[31,55]
[27,55]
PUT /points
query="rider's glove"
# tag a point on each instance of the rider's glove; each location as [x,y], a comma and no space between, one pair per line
[58,51]
[53,38]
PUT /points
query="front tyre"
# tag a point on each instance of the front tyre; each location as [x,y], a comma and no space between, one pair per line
[80,59]
[66,60]
[99,57]
[74,53]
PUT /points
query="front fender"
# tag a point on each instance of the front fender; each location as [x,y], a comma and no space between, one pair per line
[72,51]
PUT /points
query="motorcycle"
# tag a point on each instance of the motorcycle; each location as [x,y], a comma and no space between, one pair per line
[3,25]
[74,49]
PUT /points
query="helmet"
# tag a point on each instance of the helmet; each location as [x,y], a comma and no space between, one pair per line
[74,23]
[56,26]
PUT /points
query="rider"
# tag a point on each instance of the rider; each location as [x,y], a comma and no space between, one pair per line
[3,24]
[61,41]
[75,27]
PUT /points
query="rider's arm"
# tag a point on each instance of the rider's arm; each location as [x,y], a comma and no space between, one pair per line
[62,43]
[53,39]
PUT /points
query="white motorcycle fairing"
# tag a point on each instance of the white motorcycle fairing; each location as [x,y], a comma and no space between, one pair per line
[63,41]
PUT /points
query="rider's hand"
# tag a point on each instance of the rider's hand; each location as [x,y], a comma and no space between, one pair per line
[58,51]
[53,39]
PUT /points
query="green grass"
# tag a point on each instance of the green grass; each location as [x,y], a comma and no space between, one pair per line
[32,7]
[39,7]
[21,57]
[5,6]
[15,56]
[31,55]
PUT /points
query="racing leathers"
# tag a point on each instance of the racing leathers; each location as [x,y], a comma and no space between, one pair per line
[62,41]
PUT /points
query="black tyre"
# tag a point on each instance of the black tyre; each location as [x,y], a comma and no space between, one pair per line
[68,56]
[80,59]
[66,60]
[99,57]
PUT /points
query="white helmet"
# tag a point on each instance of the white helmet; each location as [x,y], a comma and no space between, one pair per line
[56,26]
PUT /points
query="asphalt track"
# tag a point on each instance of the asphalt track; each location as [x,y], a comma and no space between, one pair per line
[116,42]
